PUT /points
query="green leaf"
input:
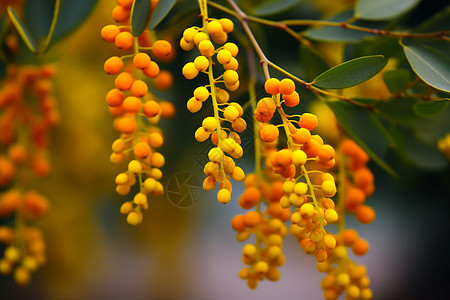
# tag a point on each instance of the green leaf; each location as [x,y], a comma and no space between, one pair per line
[274,7]
[430,108]
[38,14]
[365,129]
[23,31]
[431,65]
[398,110]
[377,10]
[161,10]
[351,73]
[365,100]
[140,14]
[396,80]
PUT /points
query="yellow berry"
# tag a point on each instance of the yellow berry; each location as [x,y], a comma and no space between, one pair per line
[201,93]
[206,48]
[227,25]
[216,155]
[307,210]
[301,188]
[193,105]
[328,188]
[214,27]
[234,50]
[329,241]
[134,218]
[209,124]
[201,63]
[224,56]
[287,86]
[331,215]
[224,196]
[261,267]
[299,157]
[272,86]
[126,208]
[231,113]
[135,166]
[190,71]
[199,37]
[230,77]
[189,34]
[343,279]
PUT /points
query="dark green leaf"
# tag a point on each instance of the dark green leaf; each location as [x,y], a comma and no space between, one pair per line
[38,14]
[440,21]
[23,31]
[274,7]
[430,108]
[396,80]
[429,64]
[161,10]
[351,73]
[398,110]
[364,128]
[312,62]
[377,10]
[140,14]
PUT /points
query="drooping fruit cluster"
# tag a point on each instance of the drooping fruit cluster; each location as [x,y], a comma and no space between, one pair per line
[221,166]
[136,110]
[360,185]
[265,219]
[310,195]
[28,113]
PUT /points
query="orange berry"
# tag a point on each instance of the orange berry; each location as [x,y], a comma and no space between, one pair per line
[251,218]
[124,40]
[161,48]
[139,88]
[301,136]
[40,166]
[109,33]
[272,86]
[125,3]
[141,60]
[237,223]
[167,109]
[365,214]
[142,150]
[34,204]
[164,80]
[120,14]
[349,236]
[360,247]
[124,81]
[269,133]
[287,86]
[363,177]
[326,153]
[156,140]
[115,97]
[152,70]
[284,157]
[113,65]
[249,198]
[126,125]
[311,148]
[132,104]
[292,99]
[308,121]
[151,109]
[354,197]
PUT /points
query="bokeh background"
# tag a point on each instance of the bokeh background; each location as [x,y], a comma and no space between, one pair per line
[192,253]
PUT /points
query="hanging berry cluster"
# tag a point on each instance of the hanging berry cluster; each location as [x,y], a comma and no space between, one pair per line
[220,167]
[136,110]
[28,113]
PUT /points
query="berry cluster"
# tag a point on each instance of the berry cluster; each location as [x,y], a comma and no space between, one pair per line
[136,110]
[28,112]
[220,166]
[308,193]
[265,256]
[361,184]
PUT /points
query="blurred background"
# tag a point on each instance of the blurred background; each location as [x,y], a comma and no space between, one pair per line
[192,253]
